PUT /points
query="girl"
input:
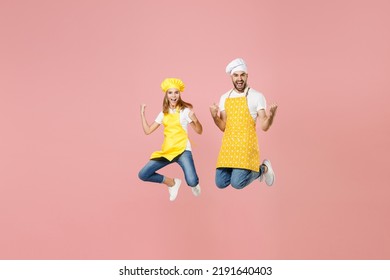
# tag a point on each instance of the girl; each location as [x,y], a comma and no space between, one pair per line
[175,116]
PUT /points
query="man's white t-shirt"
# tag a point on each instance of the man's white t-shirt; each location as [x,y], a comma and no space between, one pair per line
[184,121]
[256,101]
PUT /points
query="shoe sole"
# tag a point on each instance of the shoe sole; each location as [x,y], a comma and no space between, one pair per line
[194,192]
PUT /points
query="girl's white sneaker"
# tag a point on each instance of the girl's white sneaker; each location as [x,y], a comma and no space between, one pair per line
[196,190]
[174,190]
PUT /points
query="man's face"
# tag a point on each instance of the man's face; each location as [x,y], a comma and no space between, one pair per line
[239,80]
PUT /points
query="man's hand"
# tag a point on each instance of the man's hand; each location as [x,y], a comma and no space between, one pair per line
[214,110]
[272,110]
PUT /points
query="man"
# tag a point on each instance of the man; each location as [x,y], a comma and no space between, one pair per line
[238,161]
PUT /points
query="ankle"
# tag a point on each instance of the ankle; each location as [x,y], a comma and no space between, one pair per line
[264,168]
[170,182]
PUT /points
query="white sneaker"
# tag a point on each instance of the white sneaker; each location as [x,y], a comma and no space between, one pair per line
[173,191]
[269,175]
[196,190]
[261,178]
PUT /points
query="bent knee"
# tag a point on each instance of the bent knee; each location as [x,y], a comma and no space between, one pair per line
[192,182]
[238,184]
[142,175]
[221,185]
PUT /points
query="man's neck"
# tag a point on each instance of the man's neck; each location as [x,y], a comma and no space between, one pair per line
[240,91]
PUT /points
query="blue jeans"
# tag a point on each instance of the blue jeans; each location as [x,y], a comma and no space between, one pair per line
[148,172]
[237,177]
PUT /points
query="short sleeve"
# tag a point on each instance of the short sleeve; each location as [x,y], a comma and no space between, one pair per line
[159,118]
[222,103]
[186,115]
[261,103]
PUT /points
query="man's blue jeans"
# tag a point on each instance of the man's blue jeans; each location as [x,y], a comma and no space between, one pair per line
[148,172]
[237,177]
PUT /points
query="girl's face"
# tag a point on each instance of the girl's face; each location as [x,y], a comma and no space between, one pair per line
[173,96]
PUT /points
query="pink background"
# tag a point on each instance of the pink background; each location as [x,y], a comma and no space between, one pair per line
[74,73]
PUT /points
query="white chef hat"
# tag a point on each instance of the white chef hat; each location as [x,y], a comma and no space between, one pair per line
[236,65]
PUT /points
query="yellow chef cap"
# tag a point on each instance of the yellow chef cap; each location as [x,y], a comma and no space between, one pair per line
[172,83]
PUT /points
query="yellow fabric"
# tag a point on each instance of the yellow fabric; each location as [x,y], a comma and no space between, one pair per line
[172,83]
[175,137]
[239,147]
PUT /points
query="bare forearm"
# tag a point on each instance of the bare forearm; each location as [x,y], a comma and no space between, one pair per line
[146,127]
[197,127]
[195,124]
[266,124]
[219,123]
[267,119]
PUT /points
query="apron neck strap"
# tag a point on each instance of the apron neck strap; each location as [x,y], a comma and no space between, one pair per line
[246,93]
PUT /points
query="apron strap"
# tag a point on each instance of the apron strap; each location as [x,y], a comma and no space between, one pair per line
[246,94]
[247,91]
[230,93]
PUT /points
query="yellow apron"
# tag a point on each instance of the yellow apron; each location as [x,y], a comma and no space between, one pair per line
[239,147]
[175,137]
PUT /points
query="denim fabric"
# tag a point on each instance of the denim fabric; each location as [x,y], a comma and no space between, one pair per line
[237,177]
[186,162]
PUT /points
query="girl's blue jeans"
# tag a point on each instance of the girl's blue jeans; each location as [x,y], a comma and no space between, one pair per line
[148,172]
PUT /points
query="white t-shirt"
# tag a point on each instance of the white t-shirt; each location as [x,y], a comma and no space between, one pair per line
[184,121]
[256,101]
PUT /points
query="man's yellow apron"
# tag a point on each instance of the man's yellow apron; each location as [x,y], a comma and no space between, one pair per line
[239,147]
[175,137]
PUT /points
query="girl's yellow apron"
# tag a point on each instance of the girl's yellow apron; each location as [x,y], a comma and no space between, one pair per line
[175,137]
[239,147]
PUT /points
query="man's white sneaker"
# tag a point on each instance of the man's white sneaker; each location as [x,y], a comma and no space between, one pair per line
[196,190]
[269,175]
[173,191]
[261,178]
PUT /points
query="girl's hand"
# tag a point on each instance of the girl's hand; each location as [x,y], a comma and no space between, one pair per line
[143,109]
[192,116]
[196,125]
